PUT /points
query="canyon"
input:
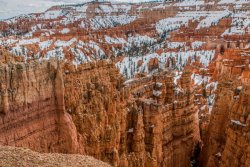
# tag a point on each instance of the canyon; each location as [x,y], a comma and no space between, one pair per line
[130,84]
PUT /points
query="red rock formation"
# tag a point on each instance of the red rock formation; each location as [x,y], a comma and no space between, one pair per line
[148,121]
[236,150]
[153,64]
[226,138]
[32,108]
[235,63]
[88,110]
[215,137]
[101,111]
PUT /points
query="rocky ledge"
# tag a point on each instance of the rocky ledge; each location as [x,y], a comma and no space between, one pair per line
[21,157]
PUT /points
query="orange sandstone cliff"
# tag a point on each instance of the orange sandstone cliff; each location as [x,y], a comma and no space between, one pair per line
[183,98]
[32,108]
[226,141]
[89,110]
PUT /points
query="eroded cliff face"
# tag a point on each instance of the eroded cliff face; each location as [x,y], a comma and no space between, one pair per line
[93,99]
[32,108]
[215,137]
[226,140]
[236,152]
[187,70]
[147,121]
[50,107]
[143,122]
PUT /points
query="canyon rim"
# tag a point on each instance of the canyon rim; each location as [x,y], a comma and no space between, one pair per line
[150,84]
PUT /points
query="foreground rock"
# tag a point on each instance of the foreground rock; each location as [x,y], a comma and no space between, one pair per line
[11,156]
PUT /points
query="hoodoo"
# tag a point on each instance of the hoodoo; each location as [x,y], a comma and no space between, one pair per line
[150,84]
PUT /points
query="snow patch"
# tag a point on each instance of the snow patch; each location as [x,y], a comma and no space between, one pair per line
[65,31]
[238,123]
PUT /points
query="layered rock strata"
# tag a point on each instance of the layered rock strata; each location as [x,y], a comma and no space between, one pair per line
[226,140]
[142,123]
[32,108]
[91,111]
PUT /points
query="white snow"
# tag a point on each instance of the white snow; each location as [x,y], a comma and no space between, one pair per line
[82,25]
[212,85]
[190,3]
[139,39]
[159,6]
[97,48]
[238,123]
[111,40]
[94,46]
[52,14]
[197,44]
[234,31]
[239,87]
[241,2]
[113,8]
[56,53]
[104,8]
[240,24]
[157,92]
[65,31]
[174,45]
[60,43]
[213,18]
[29,41]
[7,41]
[226,1]
[128,66]
[50,32]
[71,18]
[182,19]
[99,22]
[131,130]
[82,8]
[159,84]
[122,7]
[218,154]
[45,44]
[198,79]
[80,56]
[177,76]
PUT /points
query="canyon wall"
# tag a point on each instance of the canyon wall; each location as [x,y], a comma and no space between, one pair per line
[237,151]
[147,121]
[91,111]
[144,122]
[226,141]
[215,137]
[187,71]
[32,109]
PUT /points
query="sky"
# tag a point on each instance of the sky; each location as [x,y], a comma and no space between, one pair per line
[11,8]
